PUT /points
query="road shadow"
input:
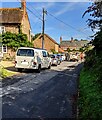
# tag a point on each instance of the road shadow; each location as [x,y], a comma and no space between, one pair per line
[55,98]
[12,68]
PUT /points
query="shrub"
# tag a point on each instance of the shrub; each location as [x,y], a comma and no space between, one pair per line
[14,41]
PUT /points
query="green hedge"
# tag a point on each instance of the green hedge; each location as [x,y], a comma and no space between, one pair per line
[13,40]
[90,95]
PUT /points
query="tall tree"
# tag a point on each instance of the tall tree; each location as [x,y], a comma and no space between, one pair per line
[95,22]
[95,11]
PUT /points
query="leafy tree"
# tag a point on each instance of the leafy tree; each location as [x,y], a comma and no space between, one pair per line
[14,41]
[68,49]
[36,35]
[53,51]
[97,42]
[95,11]
[75,39]
[81,50]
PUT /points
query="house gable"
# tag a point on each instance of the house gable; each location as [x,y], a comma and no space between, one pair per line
[49,43]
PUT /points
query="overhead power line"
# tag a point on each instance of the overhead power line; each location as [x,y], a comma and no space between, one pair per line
[34,9]
[55,18]
[67,24]
[31,11]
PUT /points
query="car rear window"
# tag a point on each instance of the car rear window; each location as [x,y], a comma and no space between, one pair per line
[25,52]
[52,56]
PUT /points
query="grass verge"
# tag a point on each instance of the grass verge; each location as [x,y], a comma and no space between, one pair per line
[90,95]
[5,73]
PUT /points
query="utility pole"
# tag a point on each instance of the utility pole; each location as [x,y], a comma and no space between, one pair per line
[43,27]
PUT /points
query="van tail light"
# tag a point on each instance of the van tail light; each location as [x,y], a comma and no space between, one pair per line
[34,63]
[15,62]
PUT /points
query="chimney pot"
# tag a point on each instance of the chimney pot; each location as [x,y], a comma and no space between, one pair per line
[72,40]
[60,39]
[23,6]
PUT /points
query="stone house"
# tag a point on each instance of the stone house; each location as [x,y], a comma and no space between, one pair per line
[15,20]
[72,44]
[49,43]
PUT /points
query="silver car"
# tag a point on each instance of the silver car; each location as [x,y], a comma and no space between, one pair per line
[54,59]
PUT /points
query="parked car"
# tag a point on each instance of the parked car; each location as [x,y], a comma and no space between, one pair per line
[32,58]
[54,59]
[73,57]
[59,57]
[67,56]
[63,57]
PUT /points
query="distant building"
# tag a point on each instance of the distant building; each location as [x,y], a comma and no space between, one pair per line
[15,20]
[72,44]
[49,43]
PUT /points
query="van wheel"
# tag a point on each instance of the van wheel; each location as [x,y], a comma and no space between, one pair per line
[49,67]
[39,69]
[19,69]
[58,62]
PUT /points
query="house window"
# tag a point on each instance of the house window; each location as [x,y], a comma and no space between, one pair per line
[4,49]
[2,29]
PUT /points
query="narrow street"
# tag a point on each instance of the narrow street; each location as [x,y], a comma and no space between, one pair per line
[49,94]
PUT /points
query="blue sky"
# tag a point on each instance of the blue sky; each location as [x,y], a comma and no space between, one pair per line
[68,12]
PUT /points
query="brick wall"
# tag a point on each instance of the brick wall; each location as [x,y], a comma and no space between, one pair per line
[48,44]
[56,48]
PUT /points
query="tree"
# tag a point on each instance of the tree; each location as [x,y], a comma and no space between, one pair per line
[68,49]
[14,41]
[97,42]
[36,35]
[53,51]
[95,11]
[81,50]
[75,39]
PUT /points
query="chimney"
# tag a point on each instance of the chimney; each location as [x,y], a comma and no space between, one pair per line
[23,6]
[60,39]
[72,40]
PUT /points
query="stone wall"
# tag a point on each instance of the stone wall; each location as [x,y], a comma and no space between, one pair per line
[10,55]
[11,28]
[26,27]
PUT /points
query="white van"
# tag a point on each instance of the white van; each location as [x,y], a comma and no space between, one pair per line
[32,58]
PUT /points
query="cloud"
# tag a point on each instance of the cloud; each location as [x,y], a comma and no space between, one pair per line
[49,29]
[66,8]
[45,5]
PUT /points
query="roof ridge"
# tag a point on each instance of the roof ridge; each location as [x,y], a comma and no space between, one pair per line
[10,9]
[51,38]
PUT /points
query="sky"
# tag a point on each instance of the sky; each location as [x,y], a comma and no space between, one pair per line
[62,18]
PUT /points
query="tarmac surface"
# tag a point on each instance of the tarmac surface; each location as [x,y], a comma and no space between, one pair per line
[49,94]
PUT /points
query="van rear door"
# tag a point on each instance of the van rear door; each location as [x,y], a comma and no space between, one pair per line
[24,58]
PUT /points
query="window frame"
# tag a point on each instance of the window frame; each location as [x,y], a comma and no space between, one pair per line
[4,51]
[2,30]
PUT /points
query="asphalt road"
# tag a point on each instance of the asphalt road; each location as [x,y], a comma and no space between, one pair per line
[49,94]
